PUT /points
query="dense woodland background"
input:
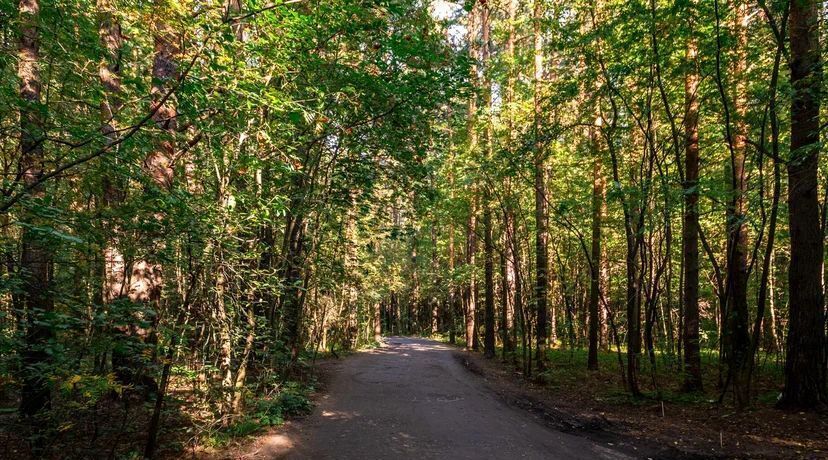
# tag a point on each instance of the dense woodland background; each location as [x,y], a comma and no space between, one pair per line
[199,198]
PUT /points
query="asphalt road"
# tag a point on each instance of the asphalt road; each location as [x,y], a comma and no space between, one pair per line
[412,399]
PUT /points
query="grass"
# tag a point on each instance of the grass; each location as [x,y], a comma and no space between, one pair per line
[567,369]
[662,379]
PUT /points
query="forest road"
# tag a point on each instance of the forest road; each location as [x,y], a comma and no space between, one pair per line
[412,399]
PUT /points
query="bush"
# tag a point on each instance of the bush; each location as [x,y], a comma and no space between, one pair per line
[291,401]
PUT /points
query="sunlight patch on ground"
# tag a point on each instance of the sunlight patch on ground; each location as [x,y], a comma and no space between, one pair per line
[275,445]
[339,415]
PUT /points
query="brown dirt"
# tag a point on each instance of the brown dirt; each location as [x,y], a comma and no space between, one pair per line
[705,430]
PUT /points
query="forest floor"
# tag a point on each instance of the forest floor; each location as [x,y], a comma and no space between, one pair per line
[592,404]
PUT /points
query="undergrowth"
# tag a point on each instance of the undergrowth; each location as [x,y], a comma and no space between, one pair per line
[291,400]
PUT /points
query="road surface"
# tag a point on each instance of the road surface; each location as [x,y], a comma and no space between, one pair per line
[412,399]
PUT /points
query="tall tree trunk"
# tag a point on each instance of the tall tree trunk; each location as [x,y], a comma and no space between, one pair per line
[146,278]
[470,296]
[690,229]
[508,258]
[225,333]
[604,287]
[414,299]
[805,358]
[773,343]
[36,256]
[633,304]
[247,352]
[541,235]
[291,302]
[452,291]
[377,326]
[507,279]
[633,223]
[158,163]
[489,320]
[471,288]
[518,298]
[737,307]
[595,250]
[488,243]
[766,276]
[233,8]
[112,41]
[435,304]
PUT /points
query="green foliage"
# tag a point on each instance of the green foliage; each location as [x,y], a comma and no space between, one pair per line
[87,390]
[341,154]
[314,112]
[290,401]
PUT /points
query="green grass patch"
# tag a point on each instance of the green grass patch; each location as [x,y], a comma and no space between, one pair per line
[659,379]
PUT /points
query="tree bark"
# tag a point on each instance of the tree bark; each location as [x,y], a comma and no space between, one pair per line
[488,242]
[595,251]
[291,306]
[509,257]
[452,291]
[471,287]
[737,307]
[518,299]
[377,319]
[470,295]
[146,276]
[435,304]
[805,358]
[690,229]
[506,286]
[489,320]
[541,235]
[36,257]
[112,41]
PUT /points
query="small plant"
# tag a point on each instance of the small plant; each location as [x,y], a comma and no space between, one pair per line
[269,412]
[295,404]
[265,412]
[291,401]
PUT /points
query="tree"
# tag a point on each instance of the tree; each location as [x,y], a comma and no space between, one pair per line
[736,339]
[488,239]
[36,301]
[541,233]
[690,229]
[805,379]
[595,260]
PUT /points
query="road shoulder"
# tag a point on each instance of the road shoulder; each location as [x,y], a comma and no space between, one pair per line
[647,429]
